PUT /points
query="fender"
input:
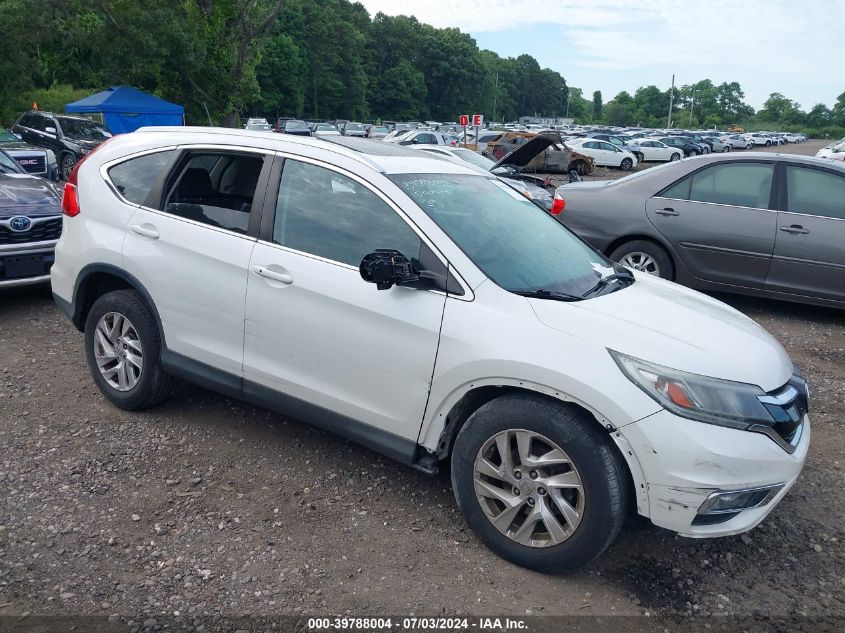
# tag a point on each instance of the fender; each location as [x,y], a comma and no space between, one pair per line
[435,425]
[80,286]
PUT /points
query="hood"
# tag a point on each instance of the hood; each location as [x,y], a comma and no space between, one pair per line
[18,145]
[22,194]
[667,324]
[528,151]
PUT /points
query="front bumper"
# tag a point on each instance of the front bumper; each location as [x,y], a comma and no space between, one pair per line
[684,462]
[45,251]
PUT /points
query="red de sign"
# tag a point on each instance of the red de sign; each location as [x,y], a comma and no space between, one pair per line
[463,120]
[477,120]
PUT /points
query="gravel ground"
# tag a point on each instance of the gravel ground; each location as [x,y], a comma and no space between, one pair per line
[208,506]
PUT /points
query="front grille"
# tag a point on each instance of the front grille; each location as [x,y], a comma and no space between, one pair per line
[32,163]
[787,406]
[39,232]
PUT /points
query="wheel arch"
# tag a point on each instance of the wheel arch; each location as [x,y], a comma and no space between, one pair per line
[453,415]
[95,280]
[624,239]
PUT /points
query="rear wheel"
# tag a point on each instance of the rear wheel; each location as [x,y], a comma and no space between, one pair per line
[539,482]
[645,256]
[626,164]
[123,349]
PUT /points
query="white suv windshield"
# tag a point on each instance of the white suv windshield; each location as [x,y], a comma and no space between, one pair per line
[514,243]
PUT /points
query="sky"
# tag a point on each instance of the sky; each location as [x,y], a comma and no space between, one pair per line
[795,47]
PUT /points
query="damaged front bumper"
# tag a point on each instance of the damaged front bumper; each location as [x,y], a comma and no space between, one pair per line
[703,480]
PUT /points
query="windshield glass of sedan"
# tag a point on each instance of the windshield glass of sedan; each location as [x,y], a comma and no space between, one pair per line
[514,243]
[86,130]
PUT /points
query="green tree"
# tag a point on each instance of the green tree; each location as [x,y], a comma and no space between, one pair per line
[401,93]
[597,105]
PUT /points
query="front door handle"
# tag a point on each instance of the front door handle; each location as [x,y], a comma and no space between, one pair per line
[147,230]
[794,228]
[667,211]
[263,271]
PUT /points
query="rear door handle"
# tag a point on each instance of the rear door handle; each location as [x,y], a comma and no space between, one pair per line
[263,271]
[795,228]
[667,211]
[147,230]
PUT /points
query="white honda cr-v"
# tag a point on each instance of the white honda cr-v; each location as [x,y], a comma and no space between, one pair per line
[431,313]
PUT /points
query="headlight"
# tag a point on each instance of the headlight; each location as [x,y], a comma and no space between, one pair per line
[723,402]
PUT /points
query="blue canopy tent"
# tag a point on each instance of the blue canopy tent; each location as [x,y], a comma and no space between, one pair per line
[124,109]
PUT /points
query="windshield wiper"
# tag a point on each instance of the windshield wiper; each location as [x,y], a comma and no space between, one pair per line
[604,281]
[542,293]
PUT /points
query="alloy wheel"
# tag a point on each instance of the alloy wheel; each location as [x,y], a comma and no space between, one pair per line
[528,488]
[641,261]
[68,163]
[118,351]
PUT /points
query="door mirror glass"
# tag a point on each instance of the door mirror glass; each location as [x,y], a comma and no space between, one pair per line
[50,130]
[20,138]
[386,267]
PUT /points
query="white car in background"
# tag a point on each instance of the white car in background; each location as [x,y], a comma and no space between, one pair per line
[604,153]
[425,137]
[654,150]
[830,150]
[325,129]
[758,138]
[737,141]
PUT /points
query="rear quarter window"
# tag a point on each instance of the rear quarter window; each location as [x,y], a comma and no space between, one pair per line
[135,178]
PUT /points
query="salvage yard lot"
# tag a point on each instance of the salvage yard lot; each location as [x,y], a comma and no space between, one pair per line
[205,505]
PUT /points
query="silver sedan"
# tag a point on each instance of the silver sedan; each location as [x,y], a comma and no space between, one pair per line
[753,223]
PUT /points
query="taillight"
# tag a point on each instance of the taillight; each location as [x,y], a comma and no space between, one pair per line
[70,197]
[558,205]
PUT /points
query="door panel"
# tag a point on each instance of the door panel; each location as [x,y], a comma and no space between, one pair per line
[809,256]
[196,275]
[325,336]
[719,229]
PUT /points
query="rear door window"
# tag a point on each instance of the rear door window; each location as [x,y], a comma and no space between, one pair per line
[216,188]
[815,192]
[135,178]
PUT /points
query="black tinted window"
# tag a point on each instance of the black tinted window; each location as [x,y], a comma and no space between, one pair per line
[737,184]
[135,177]
[216,189]
[815,192]
[324,213]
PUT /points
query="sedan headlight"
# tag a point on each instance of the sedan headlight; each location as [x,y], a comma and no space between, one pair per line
[732,404]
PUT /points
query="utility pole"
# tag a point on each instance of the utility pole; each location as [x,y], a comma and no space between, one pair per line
[568,97]
[495,95]
[671,102]
[691,107]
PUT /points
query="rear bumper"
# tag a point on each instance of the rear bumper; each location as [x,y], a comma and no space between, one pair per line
[685,462]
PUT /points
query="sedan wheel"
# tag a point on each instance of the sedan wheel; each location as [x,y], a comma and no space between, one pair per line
[641,261]
[675,157]
[726,148]
[534,494]
[626,164]
[693,152]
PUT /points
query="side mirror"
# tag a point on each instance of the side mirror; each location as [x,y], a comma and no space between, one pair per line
[386,267]
[50,130]
[20,138]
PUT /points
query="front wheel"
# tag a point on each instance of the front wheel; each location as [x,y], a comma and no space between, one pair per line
[123,349]
[675,157]
[726,148]
[693,152]
[67,165]
[768,143]
[626,165]
[538,481]
[640,157]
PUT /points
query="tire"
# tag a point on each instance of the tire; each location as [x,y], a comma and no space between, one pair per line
[602,498]
[645,256]
[66,165]
[580,167]
[768,143]
[693,152]
[626,165]
[726,148]
[749,146]
[146,384]
[674,157]
[640,157]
